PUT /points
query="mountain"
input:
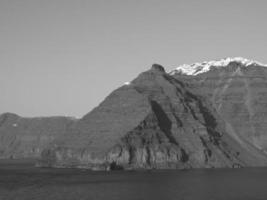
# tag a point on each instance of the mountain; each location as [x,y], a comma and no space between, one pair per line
[27,137]
[237,89]
[203,115]
[158,120]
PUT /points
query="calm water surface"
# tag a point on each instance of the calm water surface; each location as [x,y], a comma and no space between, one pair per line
[21,181]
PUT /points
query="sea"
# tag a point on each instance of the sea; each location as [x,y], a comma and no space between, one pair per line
[20,180]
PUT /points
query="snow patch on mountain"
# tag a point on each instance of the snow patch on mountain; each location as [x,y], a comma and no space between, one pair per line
[127,83]
[198,68]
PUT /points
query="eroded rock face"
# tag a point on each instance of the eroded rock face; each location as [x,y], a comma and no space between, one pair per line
[27,137]
[210,114]
[238,92]
[153,122]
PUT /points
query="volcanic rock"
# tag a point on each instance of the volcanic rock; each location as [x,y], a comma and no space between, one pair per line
[153,122]
[237,89]
[27,137]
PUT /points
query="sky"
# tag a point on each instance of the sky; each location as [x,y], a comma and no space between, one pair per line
[63,57]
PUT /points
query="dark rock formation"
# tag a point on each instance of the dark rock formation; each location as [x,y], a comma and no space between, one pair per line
[153,122]
[157,67]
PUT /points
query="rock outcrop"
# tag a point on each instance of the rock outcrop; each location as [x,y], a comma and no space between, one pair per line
[152,122]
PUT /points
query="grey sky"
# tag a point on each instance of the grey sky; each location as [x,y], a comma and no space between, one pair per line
[62,57]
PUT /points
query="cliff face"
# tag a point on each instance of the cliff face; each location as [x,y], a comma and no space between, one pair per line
[238,92]
[210,114]
[152,122]
[27,137]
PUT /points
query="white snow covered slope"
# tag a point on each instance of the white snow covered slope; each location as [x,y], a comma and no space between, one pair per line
[198,68]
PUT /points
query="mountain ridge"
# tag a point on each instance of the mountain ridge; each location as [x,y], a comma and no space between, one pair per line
[173,120]
[160,120]
[205,66]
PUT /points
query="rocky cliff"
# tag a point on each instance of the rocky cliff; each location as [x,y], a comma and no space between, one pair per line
[237,89]
[155,121]
[27,137]
[203,115]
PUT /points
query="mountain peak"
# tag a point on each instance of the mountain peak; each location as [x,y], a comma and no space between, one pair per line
[158,67]
[9,115]
[198,68]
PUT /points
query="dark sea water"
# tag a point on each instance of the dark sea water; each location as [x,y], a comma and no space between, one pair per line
[21,181]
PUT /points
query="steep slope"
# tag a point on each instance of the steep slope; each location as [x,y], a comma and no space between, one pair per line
[237,88]
[27,137]
[151,122]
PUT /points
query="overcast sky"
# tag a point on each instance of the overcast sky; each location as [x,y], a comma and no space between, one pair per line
[63,57]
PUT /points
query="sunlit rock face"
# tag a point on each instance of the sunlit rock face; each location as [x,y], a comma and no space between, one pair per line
[238,92]
[154,122]
[27,137]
